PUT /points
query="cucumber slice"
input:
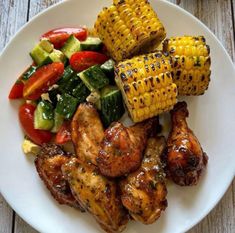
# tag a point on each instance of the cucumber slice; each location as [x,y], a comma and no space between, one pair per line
[81,92]
[58,122]
[44,116]
[108,69]
[94,78]
[111,105]
[53,96]
[29,73]
[46,45]
[108,66]
[91,44]
[71,46]
[68,72]
[57,56]
[68,86]
[40,56]
[66,106]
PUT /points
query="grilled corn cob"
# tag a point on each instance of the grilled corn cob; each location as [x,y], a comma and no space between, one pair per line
[191,63]
[127,26]
[146,85]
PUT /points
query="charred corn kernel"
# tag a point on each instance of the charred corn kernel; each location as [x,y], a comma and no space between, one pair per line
[191,63]
[146,84]
[128,27]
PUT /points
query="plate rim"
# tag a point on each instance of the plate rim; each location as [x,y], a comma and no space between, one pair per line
[177,7]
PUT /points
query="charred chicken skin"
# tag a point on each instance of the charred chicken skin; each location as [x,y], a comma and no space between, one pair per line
[122,148]
[185,158]
[48,164]
[144,191]
[96,194]
[87,133]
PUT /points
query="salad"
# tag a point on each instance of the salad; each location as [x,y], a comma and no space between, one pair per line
[69,67]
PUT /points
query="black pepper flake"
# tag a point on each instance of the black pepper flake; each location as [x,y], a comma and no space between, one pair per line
[158,80]
[203,78]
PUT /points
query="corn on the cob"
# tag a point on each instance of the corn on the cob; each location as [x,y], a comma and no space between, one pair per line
[146,85]
[191,63]
[127,26]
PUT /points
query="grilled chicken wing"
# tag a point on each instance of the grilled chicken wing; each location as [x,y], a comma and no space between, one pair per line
[87,132]
[48,164]
[185,158]
[144,191]
[96,194]
[122,147]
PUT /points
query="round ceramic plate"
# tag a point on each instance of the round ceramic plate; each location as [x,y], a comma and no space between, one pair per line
[211,118]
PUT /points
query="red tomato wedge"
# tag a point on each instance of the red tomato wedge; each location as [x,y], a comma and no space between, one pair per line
[42,79]
[64,134]
[83,60]
[17,90]
[59,36]
[26,117]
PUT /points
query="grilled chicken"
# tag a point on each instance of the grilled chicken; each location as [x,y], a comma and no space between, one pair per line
[122,148]
[96,194]
[144,191]
[87,133]
[185,158]
[48,164]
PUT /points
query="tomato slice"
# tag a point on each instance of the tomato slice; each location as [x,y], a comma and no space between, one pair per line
[64,134]
[26,117]
[17,90]
[83,60]
[59,36]
[42,79]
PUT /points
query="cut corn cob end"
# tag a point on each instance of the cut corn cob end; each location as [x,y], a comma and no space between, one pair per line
[127,26]
[147,86]
[191,63]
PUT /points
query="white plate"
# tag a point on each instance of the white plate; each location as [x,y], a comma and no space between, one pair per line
[212,117]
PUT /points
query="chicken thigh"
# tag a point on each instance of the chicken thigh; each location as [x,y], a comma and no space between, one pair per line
[122,148]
